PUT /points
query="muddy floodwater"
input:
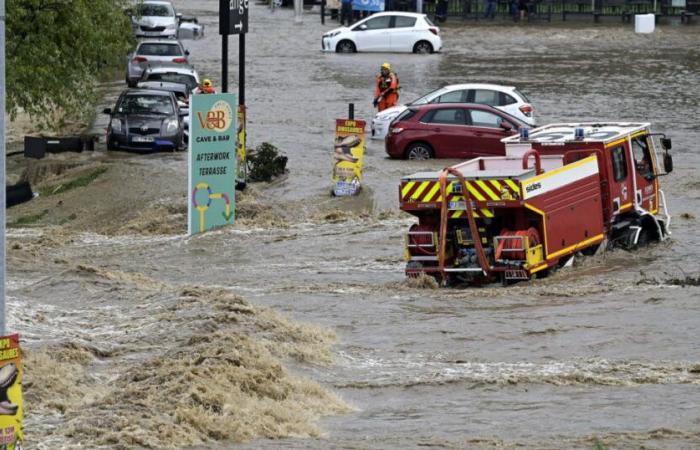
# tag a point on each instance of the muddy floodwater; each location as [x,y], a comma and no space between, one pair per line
[297,323]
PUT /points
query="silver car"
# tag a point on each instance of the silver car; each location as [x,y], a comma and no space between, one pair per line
[153,52]
[172,73]
[155,18]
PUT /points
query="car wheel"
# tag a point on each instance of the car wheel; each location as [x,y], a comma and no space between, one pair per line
[424,47]
[345,46]
[419,151]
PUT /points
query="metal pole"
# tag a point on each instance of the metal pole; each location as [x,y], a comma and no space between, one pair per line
[298,10]
[2,166]
[351,111]
[224,63]
[419,6]
[241,69]
[323,12]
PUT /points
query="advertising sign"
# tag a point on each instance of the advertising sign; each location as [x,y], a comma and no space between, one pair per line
[348,156]
[212,162]
[242,176]
[11,404]
[368,5]
[233,16]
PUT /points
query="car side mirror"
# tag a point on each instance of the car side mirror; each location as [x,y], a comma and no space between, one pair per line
[506,126]
[184,111]
[668,161]
[107,111]
[666,143]
[187,53]
[362,27]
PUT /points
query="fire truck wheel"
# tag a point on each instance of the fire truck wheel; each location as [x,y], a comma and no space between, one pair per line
[419,151]
[643,239]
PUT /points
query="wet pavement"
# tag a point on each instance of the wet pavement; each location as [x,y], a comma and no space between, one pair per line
[605,352]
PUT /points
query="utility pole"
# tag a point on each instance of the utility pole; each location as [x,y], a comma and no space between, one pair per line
[298,11]
[3,94]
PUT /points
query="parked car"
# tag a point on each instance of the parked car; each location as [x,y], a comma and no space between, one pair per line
[145,119]
[153,52]
[506,98]
[155,18]
[172,73]
[385,32]
[450,130]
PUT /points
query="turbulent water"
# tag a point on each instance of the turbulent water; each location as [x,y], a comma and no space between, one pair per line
[140,337]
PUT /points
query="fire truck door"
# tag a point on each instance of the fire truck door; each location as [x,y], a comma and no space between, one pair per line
[644,173]
[621,186]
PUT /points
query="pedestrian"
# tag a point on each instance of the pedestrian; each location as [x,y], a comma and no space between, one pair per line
[386,91]
[441,11]
[490,9]
[346,12]
[522,7]
[205,87]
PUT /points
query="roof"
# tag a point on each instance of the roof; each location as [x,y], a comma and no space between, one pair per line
[137,91]
[493,87]
[397,13]
[187,69]
[561,133]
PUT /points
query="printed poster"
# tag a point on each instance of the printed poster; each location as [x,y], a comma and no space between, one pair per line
[242,175]
[212,161]
[348,156]
[368,5]
[11,404]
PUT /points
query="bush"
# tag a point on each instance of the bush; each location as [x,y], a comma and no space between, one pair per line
[265,163]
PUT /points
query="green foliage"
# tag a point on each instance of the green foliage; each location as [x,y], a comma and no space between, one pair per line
[265,162]
[57,48]
[31,219]
[81,181]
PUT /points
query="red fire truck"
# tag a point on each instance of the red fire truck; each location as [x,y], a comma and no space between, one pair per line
[560,189]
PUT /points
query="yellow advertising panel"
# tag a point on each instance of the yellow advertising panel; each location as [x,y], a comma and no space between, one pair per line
[348,156]
[242,176]
[11,404]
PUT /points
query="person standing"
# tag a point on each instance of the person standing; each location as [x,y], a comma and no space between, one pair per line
[345,12]
[386,90]
[490,9]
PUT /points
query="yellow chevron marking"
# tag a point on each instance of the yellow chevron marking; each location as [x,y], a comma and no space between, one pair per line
[486,213]
[439,199]
[419,191]
[457,214]
[432,192]
[513,185]
[475,193]
[484,187]
[496,184]
[407,188]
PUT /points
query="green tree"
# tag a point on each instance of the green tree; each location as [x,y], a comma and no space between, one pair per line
[57,48]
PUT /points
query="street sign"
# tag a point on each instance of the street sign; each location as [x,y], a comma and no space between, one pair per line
[233,16]
[212,161]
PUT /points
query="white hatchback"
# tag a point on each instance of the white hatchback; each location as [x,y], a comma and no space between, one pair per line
[385,32]
[506,98]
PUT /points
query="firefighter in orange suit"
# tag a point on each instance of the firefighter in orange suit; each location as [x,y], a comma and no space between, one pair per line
[386,91]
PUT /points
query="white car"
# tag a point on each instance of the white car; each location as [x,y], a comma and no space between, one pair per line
[155,18]
[506,98]
[385,32]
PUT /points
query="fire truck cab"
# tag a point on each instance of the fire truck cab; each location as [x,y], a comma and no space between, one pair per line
[560,189]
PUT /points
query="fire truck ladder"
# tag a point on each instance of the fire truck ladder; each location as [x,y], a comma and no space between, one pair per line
[483,262]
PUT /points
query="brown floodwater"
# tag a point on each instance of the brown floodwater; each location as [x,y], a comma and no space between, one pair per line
[604,352]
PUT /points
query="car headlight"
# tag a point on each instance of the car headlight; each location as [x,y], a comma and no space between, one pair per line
[116,125]
[171,26]
[171,125]
[332,35]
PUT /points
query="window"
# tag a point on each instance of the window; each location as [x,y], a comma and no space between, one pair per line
[159,50]
[486,97]
[146,104]
[642,157]
[171,77]
[452,97]
[405,115]
[377,23]
[523,96]
[450,116]
[155,10]
[485,119]
[505,99]
[404,22]
[619,163]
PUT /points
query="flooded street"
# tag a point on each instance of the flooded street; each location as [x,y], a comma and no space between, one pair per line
[152,339]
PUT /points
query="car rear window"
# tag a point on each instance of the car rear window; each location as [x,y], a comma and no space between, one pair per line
[428,21]
[154,49]
[506,99]
[170,77]
[523,96]
[486,97]
[404,22]
[146,104]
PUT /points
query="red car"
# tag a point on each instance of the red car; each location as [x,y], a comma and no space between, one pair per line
[450,130]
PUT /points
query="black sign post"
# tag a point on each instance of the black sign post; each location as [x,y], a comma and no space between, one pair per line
[233,19]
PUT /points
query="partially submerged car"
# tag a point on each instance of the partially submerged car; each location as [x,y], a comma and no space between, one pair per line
[145,120]
[155,18]
[172,73]
[153,52]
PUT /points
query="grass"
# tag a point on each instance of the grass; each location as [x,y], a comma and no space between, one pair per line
[31,219]
[81,181]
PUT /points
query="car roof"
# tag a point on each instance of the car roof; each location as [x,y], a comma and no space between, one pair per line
[397,13]
[493,87]
[159,41]
[185,69]
[156,2]
[453,105]
[137,91]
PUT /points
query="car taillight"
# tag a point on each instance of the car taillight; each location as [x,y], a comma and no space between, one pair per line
[396,130]
[435,31]
[179,60]
[140,59]
[526,109]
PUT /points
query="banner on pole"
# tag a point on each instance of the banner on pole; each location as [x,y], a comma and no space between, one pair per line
[11,403]
[348,156]
[212,161]
[242,176]
[368,5]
